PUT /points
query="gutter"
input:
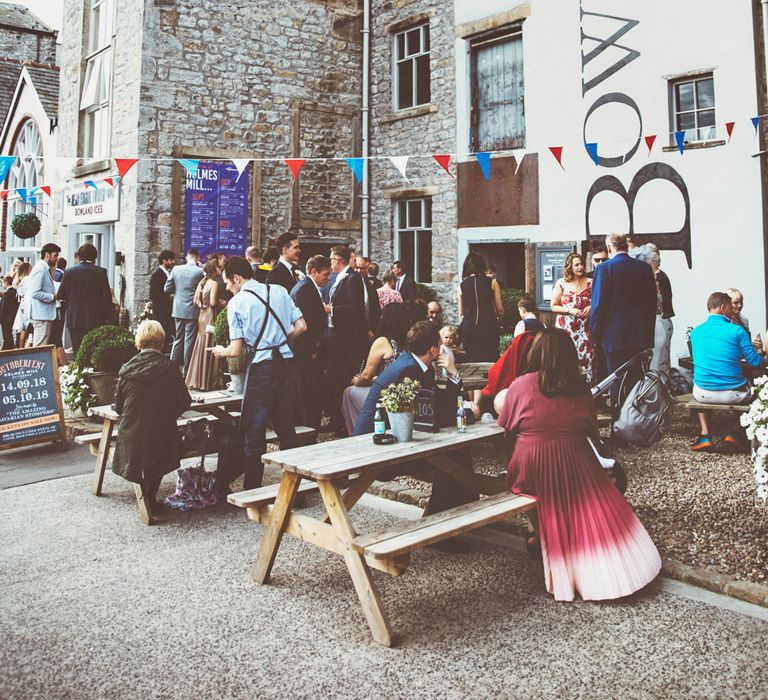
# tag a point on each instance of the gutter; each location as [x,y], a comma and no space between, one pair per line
[365,110]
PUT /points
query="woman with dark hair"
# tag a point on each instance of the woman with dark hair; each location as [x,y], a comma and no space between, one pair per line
[390,342]
[480,309]
[204,373]
[572,302]
[592,542]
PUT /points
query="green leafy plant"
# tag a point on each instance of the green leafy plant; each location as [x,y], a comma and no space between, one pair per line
[236,365]
[505,341]
[400,398]
[425,292]
[74,387]
[106,349]
[509,298]
[25,225]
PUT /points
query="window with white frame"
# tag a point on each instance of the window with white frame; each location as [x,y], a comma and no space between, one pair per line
[497,90]
[411,68]
[693,107]
[414,237]
[26,173]
[94,100]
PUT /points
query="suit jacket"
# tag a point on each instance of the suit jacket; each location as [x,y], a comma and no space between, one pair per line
[328,287]
[348,301]
[182,283]
[406,366]
[85,289]
[162,304]
[280,274]
[374,308]
[41,293]
[377,283]
[9,305]
[407,289]
[623,315]
[306,298]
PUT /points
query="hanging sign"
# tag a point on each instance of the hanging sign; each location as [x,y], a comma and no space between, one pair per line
[216,209]
[30,398]
[94,205]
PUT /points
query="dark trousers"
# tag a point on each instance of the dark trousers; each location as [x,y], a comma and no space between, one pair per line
[614,360]
[311,381]
[269,394]
[344,358]
[76,335]
[8,343]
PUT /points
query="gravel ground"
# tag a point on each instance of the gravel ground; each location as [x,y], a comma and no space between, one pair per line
[698,508]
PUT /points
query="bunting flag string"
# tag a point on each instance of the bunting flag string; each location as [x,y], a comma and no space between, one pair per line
[680,140]
[356,165]
[5,165]
[47,190]
[518,155]
[401,163]
[241,164]
[649,141]
[190,166]
[123,165]
[592,150]
[755,122]
[557,152]
[444,160]
[3,194]
[484,159]
[729,128]
[22,192]
[295,164]
[91,184]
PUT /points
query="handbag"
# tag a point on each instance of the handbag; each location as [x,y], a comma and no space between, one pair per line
[195,437]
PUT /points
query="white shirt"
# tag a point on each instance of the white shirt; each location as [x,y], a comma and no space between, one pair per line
[399,282]
[520,327]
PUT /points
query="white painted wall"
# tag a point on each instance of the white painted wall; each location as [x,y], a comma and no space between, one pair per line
[723,182]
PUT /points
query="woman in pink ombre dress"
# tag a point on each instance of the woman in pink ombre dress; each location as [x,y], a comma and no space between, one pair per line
[592,542]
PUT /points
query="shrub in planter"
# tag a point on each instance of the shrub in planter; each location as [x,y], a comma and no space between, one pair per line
[25,225]
[236,365]
[504,342]
[509,298]
[106,349]
[425,292]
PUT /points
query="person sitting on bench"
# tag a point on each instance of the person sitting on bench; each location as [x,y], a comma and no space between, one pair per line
[718,348]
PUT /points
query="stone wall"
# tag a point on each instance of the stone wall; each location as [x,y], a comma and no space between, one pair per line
[418,132]
[30,47]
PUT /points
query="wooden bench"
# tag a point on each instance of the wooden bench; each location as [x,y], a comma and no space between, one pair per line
[397,541]
[689,403]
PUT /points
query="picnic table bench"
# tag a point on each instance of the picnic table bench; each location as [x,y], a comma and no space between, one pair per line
[343,470]
[689,403]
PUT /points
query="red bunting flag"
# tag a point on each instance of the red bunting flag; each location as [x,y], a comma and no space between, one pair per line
[295,164]
[557,152]
[649,141]
[729,128]
[46,189]
[124,165]
[444,161]
[3,194]
[110,182]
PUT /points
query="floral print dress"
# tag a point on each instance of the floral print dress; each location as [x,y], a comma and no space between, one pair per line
[578,328]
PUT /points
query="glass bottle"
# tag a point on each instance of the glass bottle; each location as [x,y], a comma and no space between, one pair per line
[379,426]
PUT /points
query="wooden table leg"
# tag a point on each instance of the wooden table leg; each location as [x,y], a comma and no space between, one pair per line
[356,490]
[102,457]
[358,569]
[273,533]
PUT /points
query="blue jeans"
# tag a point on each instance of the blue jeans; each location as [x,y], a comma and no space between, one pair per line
[270,393]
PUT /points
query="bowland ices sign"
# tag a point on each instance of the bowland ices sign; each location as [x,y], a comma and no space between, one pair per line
[90,206]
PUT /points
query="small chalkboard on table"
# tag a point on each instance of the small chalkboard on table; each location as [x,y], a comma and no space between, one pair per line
[30,398]
[426,412]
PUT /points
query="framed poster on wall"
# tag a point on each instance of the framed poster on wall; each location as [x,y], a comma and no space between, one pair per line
[550,260]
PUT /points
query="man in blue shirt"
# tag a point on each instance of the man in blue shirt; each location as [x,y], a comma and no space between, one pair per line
[263,317]
[718,347]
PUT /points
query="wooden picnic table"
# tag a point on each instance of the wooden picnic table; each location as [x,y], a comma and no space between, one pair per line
[474,375]
[216,403]
[343,470]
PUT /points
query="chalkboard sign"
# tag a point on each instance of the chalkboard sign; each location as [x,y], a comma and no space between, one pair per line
[30,398]
[426,412]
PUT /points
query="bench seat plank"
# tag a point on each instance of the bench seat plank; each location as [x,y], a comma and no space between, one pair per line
[689,403]
[265,495]
[397,541]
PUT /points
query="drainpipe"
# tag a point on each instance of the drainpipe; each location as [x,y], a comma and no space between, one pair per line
[364,197]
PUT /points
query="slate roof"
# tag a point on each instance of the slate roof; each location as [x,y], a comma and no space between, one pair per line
[20,17]
[9,76]
[45,79]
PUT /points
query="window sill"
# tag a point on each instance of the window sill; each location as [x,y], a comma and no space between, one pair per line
[695,145]
[95,166]
[419,111]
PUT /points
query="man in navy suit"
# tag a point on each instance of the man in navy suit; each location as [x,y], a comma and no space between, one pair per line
[162,304]
[85,289]
[286,273]
[623,316]
[423,348]
[405,285]
[310,347]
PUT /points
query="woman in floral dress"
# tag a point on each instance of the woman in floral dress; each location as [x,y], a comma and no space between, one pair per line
[572,301]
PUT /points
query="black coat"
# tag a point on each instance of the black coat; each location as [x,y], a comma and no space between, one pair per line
[665,288]
[279,274]
[85,289]
[374,308]
[348,301]
[305,296]
[162,303]
[150,396]
[9,305]
[408,289]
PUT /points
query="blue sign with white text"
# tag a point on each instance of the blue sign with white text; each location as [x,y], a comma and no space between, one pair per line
[217,210]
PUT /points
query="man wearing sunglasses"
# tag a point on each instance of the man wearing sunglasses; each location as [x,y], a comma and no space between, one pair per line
[599,255]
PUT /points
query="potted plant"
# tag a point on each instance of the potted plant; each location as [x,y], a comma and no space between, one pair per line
[25,225]
[105,350]
[399,402]
[235,365]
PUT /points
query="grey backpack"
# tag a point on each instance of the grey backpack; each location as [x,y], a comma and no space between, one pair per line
[647,411]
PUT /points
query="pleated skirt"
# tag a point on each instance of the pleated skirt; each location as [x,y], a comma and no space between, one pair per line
[593,545]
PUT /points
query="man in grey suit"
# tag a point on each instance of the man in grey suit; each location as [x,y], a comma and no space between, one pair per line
[182,283]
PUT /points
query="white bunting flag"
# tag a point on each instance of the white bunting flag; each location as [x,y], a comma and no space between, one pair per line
[401,163]
[519,155]
[241,164]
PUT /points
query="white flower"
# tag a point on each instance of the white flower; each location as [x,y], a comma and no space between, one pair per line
[761,476]
[762,451]
[744,420]
[762,491]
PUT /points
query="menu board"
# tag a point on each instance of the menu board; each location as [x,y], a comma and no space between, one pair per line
[217,210]
[426,412]
[30,397]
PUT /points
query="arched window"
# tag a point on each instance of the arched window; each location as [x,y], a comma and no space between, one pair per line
[26,172]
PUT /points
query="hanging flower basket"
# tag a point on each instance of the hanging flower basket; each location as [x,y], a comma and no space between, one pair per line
[25,225]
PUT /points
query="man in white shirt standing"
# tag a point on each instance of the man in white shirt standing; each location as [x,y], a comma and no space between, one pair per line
[405,285]
[286,273]
[42,293]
